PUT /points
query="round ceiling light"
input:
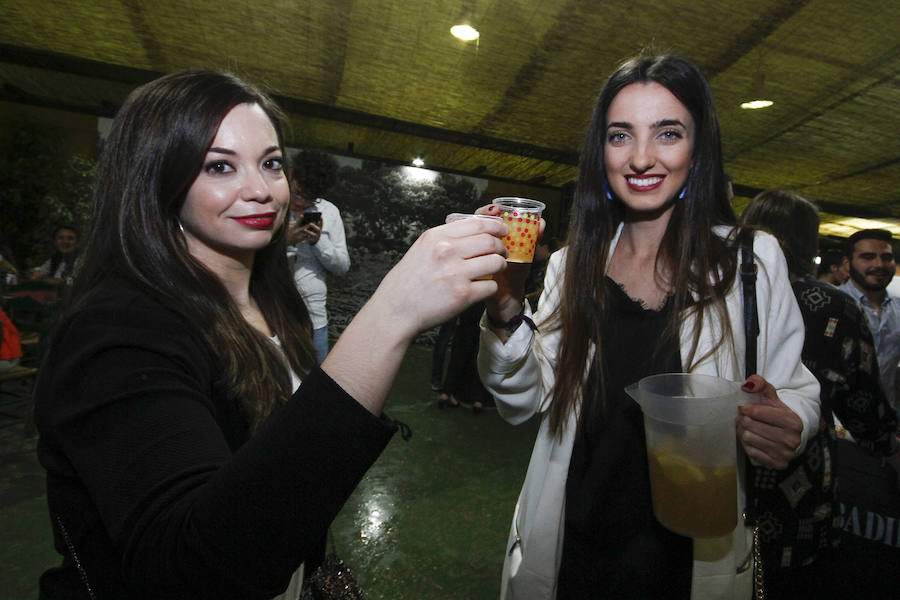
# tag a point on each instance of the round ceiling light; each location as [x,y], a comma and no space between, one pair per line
[755,104]
[466,33]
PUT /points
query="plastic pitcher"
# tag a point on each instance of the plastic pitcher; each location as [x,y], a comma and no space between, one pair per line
[690,425]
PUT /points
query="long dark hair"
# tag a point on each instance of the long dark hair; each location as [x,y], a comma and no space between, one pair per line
[793,220]
[155,150]
[700,263]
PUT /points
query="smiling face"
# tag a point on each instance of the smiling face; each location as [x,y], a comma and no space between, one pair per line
[872,264]
[647,152]
[241,195]
[65,240]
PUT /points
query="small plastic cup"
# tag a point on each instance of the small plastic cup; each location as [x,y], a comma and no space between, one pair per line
[460,216]
[523,217]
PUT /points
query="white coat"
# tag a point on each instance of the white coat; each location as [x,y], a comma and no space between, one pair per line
[521,374]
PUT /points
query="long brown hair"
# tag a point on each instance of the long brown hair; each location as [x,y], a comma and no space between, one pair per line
[793,220]
[154,152]
[702,265]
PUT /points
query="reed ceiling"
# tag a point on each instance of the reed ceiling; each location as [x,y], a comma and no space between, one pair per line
[384,78]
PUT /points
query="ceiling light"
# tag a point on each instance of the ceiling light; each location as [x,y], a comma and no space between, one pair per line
[846,226]
[757,104]
[418,162]
[758,85]
[466,33]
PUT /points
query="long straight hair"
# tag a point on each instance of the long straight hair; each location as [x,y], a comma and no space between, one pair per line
[154,152]
[701,264]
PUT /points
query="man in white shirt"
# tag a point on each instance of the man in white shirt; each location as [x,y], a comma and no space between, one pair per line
[871,270]
[317,243]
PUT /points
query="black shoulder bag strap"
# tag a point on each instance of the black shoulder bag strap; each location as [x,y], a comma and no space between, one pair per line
[751,317]
[751,332]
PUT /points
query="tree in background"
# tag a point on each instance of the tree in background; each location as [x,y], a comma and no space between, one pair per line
[386,208]
[41,186]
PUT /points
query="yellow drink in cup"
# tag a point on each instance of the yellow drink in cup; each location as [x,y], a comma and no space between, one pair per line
[523,217]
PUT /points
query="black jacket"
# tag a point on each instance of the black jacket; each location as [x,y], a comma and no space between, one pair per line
[155,487]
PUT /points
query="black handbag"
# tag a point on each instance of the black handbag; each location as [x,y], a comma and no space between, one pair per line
[869,503]
[333,580]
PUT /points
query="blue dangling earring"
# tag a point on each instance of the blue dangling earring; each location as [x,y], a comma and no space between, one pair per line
[606,190]
[689,176]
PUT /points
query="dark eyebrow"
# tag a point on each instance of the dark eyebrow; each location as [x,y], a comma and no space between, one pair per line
[657,125]
[230,152]
[668,123]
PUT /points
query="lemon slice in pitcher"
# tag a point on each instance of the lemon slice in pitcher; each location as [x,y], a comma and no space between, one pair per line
[678,469]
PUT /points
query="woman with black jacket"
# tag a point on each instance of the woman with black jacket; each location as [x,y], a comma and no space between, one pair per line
[184,457]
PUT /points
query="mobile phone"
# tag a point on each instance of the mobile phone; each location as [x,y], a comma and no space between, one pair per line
[311,217]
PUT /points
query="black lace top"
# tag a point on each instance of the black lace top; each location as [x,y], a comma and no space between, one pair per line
[613,547]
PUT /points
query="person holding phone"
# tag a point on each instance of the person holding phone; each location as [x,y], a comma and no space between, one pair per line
[312,218]
[317,243]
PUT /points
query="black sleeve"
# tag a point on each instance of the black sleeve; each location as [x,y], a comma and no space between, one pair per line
[190,514]
[839,351]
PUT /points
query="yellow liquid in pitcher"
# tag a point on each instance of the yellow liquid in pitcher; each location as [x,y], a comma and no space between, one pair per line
[693,500]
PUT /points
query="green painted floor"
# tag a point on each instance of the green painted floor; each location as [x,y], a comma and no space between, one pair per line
[429,521]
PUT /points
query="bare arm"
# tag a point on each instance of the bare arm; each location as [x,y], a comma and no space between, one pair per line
[435,280]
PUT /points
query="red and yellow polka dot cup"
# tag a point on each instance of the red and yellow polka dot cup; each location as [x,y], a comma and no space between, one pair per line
[523,217]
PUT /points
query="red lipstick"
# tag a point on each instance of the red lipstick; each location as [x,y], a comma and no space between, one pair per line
[260,221]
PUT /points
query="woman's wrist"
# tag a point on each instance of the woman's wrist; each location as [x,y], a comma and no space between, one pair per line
[395,326]
[366,357]
[511,324]
[500,312]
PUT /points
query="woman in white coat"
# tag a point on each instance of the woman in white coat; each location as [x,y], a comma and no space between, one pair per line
[647,284]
